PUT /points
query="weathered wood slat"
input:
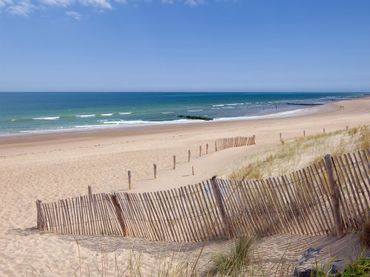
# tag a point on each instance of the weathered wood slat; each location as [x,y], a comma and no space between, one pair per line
[301,203]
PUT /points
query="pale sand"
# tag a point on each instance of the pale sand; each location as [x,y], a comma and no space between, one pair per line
[53,166]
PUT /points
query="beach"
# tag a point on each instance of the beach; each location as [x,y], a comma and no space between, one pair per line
[60,165]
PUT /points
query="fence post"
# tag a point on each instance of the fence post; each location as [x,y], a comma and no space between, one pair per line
[192,170]
[89,191]
[335,195]
[119,213]
[155,171]
[227,226]
[40,216]
[215,146]
[129,179]
[207,148]
[304,133]
[188,156]
[323,130]
[174,162]
[200,150]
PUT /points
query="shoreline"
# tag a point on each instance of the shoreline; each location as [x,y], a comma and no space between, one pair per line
[82,130]
[117,130]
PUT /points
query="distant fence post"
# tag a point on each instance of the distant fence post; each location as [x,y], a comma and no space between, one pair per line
[215,146]
[304,133]
[89,191]
[189,156]
[323,130]
[40,216]
[129,179]
[335,195]
[225,220]
[207,148]
[192,170]
[174,162]
[119,213]
[200,150]
[155,171]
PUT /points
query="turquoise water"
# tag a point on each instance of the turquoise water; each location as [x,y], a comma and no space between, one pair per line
[30,112]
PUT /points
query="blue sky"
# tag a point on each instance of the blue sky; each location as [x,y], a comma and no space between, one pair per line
[184,45]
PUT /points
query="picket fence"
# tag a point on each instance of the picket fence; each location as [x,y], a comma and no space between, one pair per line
[329,197]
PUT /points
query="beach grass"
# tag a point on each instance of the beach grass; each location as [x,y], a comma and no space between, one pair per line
[232,264]
[300,152]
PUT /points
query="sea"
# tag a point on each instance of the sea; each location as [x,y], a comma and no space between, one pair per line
[42,112]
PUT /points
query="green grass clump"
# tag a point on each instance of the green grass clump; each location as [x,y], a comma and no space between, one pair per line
[358,268]
[233,263]
[296,153]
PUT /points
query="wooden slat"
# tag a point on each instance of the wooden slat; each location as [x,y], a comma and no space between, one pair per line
[357,210]
[296,204]
[254,221]
[180,220]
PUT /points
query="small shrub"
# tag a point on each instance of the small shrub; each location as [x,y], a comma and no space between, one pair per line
[232,264]
[360,267]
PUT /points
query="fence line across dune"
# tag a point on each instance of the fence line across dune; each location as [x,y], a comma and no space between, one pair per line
[224,143]
[328,197]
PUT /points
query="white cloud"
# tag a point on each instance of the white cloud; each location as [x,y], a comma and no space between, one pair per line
[26,7]
[61,3]
[194,2]
[22,8]
[104,4]
[3,3]
[74,15]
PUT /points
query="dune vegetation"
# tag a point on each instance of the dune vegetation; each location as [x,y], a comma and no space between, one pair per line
[297,153]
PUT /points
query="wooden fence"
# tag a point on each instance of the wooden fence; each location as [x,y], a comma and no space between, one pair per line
[329,197]
[224,143]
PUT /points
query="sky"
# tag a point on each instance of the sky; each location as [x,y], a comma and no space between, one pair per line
[184,45]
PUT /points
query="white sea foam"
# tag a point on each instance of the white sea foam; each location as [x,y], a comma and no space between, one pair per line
[220,105]
[167,112]
[274,115]
[194,111]
[144,122]
[106,114]
[124,113]
[46,118]
[228,107]
[85,115]
[234,104]
[107,124]
[92,126]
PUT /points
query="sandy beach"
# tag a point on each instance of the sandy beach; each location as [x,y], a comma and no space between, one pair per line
[54,166]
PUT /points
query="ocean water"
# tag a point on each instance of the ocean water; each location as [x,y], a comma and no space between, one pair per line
[33,112]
